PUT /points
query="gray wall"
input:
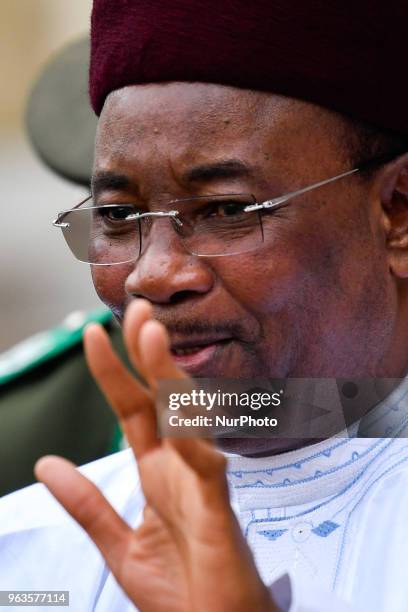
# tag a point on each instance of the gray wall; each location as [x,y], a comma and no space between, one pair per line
[40,283]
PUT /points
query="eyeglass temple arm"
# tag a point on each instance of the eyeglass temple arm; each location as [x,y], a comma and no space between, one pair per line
[281,200]
[362,167]
[57,221]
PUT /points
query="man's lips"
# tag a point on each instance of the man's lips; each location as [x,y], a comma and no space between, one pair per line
[192,355]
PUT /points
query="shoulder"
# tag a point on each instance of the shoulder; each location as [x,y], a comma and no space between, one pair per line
[380,505]
[390,468]
[34,508]
[44,548]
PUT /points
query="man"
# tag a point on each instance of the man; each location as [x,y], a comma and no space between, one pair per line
[198,101]
[49,402]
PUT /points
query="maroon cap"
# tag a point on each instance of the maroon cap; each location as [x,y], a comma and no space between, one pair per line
[346,56]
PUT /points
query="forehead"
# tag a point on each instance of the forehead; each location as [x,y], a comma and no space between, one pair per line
[183,124]
[177,114]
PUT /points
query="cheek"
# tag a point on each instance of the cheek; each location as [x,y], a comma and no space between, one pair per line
[268,281]
[298,279]
[109,283]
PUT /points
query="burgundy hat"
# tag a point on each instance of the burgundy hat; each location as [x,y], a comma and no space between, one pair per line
[346,56]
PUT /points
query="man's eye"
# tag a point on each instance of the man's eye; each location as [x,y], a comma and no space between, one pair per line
[228,209]
[118,213]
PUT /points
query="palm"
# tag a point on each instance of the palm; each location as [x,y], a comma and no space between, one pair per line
[152,572]
[189,553]
[174,538]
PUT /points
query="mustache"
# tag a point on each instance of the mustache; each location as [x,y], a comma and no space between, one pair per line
[190,327]
[186,325]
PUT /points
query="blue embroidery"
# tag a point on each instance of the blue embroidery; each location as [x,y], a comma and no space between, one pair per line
[309,511]
[272,534]
[327,453]
[325,528]
[288,483]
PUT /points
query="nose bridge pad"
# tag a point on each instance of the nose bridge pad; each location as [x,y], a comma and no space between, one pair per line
[182,226]
[145,230]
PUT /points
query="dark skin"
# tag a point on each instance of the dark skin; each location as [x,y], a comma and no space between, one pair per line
[326,295]
[317,299]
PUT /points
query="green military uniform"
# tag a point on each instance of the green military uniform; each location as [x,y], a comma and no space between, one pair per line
[49,402]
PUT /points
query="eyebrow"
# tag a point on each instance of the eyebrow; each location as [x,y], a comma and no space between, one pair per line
[106,180]
[229,168]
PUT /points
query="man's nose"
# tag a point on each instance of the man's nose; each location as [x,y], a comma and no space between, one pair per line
[166,272]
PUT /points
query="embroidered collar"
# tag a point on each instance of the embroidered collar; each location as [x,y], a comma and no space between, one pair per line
[321,470]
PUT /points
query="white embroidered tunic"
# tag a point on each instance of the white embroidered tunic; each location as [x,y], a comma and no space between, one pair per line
[333,516]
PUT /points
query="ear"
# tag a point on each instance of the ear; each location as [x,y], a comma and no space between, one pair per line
[393,191]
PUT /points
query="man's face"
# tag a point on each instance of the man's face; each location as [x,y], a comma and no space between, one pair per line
[315,299]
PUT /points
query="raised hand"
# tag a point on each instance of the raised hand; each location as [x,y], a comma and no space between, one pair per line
[189,554]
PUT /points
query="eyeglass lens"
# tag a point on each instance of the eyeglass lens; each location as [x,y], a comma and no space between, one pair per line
[207,226]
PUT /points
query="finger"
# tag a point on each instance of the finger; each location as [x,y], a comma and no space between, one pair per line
[130,400]
[156,357]
[199,454]
[137,313]
[86,504]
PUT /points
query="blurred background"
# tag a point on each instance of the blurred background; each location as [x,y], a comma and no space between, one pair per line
[40,282]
